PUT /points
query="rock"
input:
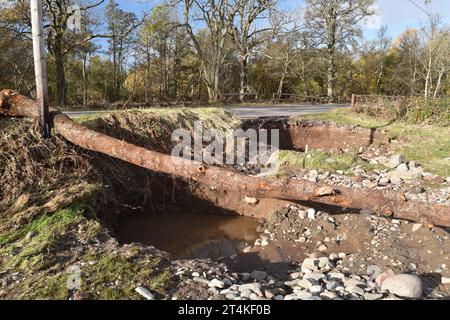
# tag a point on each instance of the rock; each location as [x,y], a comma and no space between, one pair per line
[201,280]
[143,291]
[323,261]
[30,235]
[355,290]
[380,279]
[254,296]
[355,283]
[195,274]
[445,280]
[395,161]
[216,283]
[231,296]
[264,243]
[403,167]
[279,297]
[315,289]
[333,257]
[305,284]
[323,248]
[311,213]
[250,200]
[295,275]
[336,276]
[245,293]
[373,271]
[269,294]
[214,291]
[372,296]
[255,287]
[304,295]
[328,295]
[245,276]
[416,226]
[404,286]
[342,255]
[332,285]
[310,264]
[396,180]
[258,275]
[384,181]
[314,277]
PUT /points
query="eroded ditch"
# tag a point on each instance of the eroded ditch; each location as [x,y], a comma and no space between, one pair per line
[192,221]
[195,222]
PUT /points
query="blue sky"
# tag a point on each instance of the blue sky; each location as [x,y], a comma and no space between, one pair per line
[398,15]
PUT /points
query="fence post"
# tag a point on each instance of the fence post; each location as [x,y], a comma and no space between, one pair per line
[40,68]
[353,101]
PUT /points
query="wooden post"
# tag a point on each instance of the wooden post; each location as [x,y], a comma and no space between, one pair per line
[353,101]
[40,68]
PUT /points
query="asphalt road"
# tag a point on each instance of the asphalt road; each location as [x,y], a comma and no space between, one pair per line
[251,112]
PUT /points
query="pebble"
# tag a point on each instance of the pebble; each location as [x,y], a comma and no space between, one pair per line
[445,280]
[255,287]
[328,295]
[231,296]
[145,293]
[310,264]
[323,248]
[251,200]
[311,213]
[372,296]
[279,297]
[416,226]
[258,275]
[216,283]
[355,289]
[315,289]
[268,294]
[404,286]
[332,285]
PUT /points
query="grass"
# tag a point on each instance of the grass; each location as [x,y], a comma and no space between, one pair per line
[100,278]
[320,160]
[429,145]
[22,252]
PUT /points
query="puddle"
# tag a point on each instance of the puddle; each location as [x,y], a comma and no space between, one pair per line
[189,235]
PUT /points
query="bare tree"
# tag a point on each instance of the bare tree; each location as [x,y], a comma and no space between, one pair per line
[335,24]
[247,34]
[218,16]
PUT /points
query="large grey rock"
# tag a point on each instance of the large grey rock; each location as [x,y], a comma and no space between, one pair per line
[395,161]
[404,286]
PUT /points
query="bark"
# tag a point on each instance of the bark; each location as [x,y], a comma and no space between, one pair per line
[390,203]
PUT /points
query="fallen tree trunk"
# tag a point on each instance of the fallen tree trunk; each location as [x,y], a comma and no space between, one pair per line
[386,202]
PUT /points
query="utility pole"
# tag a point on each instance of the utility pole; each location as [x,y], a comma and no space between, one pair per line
[40,67]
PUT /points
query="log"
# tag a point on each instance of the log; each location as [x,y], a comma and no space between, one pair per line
[386,202]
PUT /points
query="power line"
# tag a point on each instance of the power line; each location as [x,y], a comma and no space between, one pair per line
[420,8]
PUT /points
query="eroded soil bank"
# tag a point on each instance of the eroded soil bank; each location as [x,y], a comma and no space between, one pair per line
[300,251]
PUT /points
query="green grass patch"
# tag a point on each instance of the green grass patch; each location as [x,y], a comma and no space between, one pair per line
[320,160]
[429,145]
[100,278]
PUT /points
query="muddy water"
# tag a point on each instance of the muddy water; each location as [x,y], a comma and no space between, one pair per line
[190,235]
